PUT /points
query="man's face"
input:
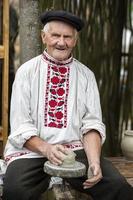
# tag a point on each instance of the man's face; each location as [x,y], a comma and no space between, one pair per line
[60,39]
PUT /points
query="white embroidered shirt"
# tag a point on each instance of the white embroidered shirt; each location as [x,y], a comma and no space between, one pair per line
[57,101]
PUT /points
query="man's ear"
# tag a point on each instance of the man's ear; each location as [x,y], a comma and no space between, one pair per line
[76,40]
[43,37]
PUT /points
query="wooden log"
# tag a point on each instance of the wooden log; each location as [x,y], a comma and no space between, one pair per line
[5,70]
[1,51]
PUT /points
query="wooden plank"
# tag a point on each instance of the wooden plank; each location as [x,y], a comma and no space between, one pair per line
[130,181]
[5,70]
[1,138]
[2,51]
[1,129]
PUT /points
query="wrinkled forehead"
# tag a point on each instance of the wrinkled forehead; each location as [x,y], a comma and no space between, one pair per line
[59,26]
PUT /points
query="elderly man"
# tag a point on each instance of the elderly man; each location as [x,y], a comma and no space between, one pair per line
[55,105]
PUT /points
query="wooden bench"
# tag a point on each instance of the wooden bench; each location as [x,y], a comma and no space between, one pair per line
[65,192]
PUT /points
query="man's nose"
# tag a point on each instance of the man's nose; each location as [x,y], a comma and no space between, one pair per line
[61,41]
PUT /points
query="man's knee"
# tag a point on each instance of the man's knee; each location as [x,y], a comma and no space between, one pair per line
[119,182]
[121,188]
[125,191]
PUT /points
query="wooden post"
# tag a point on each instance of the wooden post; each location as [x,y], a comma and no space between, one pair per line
[5,71]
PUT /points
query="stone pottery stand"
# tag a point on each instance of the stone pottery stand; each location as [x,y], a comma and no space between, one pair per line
[127,144]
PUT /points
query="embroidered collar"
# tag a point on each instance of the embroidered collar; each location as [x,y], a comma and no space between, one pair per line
[51,60]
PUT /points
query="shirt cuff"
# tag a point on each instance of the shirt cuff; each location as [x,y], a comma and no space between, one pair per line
[100,129]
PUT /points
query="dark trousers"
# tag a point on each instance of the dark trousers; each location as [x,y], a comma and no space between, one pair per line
[26,180]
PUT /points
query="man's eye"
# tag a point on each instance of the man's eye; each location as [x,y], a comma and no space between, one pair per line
[68,37]
[55,35]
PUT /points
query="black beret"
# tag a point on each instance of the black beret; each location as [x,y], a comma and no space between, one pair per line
[64,16]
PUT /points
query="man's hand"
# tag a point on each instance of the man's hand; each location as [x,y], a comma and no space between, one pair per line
[95,177]
[55,153]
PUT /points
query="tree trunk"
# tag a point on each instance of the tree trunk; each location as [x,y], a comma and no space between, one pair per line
[30,41]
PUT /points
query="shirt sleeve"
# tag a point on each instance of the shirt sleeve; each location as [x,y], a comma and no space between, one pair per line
[93,116]
[22,125]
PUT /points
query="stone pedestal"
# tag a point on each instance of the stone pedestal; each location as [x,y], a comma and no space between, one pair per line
[64,192]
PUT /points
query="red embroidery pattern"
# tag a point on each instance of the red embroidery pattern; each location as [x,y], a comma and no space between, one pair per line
[73,146]
[47,58]
[57,88]
[7,158]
